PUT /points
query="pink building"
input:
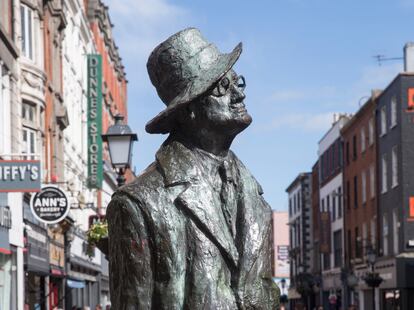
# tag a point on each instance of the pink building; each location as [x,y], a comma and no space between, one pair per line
[281,266]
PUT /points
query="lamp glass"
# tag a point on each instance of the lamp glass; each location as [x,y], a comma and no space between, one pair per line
[119,150]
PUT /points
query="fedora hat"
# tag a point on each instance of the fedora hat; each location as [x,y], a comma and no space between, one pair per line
[182,68]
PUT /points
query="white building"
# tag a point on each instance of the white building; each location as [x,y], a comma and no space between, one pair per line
[331,208]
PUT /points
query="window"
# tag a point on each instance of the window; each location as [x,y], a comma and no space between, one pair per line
[347,152]
[358,245]
[29,142]
[372,180]
[384,235]
[26,15]
[323,205]
[364,186]
[394,167]
[364,237]
[393,112]
[373,233]
[383,116]
[354,147]
[6,16]
[355,191]
[290,206]
[337,248]
[339,202]
[349,242]
[371,131]
[384,173]
[28,112]
[328,207]
[334,206]
[363,138]
[395,231]
[348,195]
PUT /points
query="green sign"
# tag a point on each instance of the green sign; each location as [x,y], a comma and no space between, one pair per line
[95,174]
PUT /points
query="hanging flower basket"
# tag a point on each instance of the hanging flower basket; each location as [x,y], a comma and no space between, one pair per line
[98,237]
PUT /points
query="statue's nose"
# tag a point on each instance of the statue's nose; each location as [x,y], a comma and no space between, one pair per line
[237,94]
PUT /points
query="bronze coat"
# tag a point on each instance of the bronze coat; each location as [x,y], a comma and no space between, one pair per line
[170,247]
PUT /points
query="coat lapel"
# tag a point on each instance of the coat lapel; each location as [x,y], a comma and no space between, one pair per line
[256,220]
[179,166]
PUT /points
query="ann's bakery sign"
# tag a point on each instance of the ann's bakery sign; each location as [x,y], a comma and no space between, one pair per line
[50,205]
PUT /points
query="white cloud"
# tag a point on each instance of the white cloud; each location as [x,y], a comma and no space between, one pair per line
[139,26]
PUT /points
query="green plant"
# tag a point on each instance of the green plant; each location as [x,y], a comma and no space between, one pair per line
[98,231]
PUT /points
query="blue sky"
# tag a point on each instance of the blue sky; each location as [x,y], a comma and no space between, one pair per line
[303,61]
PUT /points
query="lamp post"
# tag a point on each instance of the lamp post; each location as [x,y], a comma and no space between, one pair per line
[372,279]
[120,139]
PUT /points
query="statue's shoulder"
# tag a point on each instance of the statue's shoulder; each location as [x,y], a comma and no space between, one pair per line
[245,175]
[146,184]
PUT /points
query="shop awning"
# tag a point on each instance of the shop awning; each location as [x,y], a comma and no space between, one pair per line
[75,284]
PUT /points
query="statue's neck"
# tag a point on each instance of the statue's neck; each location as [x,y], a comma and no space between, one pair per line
[218,145]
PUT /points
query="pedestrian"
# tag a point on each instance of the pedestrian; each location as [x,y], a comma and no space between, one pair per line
[98,307]
[108,307]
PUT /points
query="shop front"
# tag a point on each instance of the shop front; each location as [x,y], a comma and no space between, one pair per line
[37,267]
[332,289]
[84,273]
[57,267]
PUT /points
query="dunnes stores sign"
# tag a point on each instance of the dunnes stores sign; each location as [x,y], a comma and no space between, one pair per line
[20,176]
[95,121]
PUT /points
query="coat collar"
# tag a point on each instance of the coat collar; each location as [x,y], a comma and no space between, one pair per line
[180,166]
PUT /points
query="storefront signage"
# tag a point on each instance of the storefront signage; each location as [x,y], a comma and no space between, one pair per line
[50,205]
[282,261]
[19,175]
[325,231]
[95,170]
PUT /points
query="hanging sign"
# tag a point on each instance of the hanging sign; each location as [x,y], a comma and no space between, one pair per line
[50,205]
[95,169]
[19,175]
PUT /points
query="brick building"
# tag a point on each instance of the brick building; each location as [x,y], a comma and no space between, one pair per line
[360,194]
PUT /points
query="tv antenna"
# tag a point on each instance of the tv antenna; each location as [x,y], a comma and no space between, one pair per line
[381,58]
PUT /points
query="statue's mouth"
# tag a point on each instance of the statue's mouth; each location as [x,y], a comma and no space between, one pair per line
[239,107]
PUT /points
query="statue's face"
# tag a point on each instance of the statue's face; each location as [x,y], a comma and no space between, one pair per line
[222,108]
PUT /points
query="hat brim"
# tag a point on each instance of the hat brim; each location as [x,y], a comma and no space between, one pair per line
[163,122]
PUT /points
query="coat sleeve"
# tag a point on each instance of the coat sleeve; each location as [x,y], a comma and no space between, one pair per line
[130,272]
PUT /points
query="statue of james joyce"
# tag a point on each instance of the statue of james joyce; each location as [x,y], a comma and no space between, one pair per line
[193,230]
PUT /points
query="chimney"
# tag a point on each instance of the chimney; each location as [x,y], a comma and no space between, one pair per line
[409,57]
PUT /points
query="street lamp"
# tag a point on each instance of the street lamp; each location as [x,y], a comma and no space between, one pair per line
[372,279]
[120,139]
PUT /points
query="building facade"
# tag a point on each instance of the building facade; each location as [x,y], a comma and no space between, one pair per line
[300,236]
[44,52]
[395,193]
[360,221]
[281,266]
[331,243]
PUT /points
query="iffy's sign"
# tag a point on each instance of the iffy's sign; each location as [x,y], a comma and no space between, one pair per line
[19,175]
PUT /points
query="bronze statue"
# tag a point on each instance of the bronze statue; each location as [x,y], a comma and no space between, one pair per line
[193,231]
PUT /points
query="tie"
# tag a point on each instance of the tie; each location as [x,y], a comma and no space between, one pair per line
[228,197]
